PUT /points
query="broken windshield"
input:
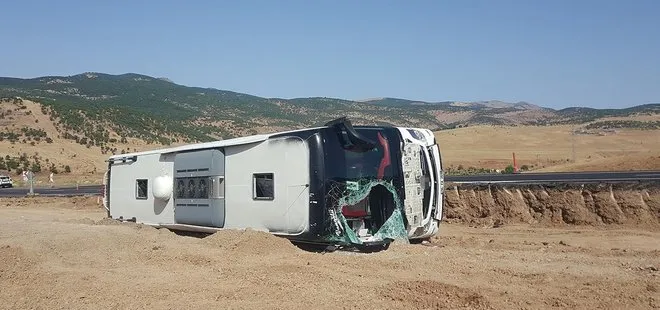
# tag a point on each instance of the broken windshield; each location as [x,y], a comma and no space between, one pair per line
[364,183]
[345,164]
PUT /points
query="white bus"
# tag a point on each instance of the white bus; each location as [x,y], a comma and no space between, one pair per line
[335,185]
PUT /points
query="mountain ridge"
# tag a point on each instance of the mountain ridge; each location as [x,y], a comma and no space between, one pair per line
[156,109]
[494,103]
[391,101]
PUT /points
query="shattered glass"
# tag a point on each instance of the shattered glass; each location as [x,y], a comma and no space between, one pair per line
[394,228]
[355,192]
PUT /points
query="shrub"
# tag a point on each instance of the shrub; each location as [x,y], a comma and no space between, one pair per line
[36,167]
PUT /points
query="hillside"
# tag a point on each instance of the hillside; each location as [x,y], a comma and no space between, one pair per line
[130,105]
[97,106]
[30,139]
[49,123]
[456,114]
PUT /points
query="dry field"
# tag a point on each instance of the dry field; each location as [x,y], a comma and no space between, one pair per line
[549,148]
[60,253]
[545,148]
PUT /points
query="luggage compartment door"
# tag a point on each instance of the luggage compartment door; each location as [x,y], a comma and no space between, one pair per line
[199,188]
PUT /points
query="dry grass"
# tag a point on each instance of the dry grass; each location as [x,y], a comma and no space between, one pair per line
[87,164]
[641,118]
[636,162]
[548,147]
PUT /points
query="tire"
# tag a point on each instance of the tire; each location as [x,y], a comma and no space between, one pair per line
[373,248]
[420,240]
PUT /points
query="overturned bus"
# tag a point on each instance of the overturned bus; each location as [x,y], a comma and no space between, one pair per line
[338,185]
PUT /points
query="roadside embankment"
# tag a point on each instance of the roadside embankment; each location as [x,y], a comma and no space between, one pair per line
[629,204]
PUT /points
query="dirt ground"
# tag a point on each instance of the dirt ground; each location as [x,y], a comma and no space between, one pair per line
[60,253]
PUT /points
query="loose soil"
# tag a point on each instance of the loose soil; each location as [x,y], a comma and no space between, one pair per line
[635,205]
[58,253]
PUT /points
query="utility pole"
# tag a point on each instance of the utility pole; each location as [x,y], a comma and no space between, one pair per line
[515,164]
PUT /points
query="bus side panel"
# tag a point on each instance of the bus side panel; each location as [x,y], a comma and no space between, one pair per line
[124,200]
[284,207]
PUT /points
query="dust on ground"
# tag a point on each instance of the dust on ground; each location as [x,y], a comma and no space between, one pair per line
[62,253]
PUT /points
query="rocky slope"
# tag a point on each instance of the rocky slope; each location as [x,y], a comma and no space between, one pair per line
[628,204]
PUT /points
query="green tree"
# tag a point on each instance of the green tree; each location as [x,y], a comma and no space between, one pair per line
[11,163]
[36,167]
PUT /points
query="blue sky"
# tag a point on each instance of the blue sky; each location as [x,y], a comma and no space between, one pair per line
[557,53]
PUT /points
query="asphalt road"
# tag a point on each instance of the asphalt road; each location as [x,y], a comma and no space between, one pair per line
[522,178]
[57,191]
[557,177]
